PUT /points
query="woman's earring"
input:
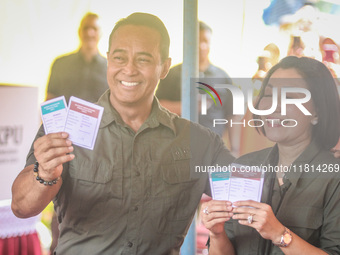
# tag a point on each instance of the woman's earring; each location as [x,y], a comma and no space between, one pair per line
[314,121]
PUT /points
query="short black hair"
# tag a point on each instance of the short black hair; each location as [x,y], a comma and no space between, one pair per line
[86,16]
[147,20]
[324,94]
[204,27]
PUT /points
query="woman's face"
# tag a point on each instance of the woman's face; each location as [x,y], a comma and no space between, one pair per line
[275,131]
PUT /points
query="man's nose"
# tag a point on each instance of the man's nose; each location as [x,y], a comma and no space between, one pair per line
[91,31]
[203,46]
[130,68]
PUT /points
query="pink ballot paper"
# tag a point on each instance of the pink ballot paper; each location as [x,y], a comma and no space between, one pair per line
[82,122]
[237,182]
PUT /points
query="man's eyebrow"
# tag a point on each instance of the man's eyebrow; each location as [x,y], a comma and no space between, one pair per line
[145,54]
[118,50]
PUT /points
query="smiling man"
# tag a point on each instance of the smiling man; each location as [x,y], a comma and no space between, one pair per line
[136,192]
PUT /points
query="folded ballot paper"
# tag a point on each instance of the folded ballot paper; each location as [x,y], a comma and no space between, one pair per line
[237,182]
[81,119]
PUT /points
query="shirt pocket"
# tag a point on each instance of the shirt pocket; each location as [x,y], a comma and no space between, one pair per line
[172,186]
[304,221]
[95,187]
[171,178]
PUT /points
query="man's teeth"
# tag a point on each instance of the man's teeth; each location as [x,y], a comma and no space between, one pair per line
[129,84]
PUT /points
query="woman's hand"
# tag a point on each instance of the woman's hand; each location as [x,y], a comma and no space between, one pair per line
[336,153]
[214,214]
[263,219]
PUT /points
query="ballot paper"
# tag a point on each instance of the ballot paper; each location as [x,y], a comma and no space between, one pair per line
[236,183]
[81,119]
[82,122]
[53,114]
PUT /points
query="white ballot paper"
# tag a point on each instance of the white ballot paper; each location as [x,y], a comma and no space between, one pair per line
[53,114]
[238,183]
[82,122]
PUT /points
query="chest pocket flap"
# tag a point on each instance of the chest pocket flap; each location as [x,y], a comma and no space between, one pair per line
[90,171]
[179,170]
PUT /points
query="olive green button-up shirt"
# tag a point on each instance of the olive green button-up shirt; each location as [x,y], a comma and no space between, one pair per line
[136,192]
[309,206]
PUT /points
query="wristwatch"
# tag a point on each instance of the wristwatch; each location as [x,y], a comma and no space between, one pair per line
[286,239]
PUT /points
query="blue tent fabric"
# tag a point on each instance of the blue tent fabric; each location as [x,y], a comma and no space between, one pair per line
[277,8]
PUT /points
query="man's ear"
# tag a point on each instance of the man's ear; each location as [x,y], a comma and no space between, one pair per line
[165,68]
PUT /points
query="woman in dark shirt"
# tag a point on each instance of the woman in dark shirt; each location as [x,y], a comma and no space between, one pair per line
[299,212]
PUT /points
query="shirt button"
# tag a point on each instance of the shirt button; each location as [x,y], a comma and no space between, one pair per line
[129,244]
[137,173]
[135,208]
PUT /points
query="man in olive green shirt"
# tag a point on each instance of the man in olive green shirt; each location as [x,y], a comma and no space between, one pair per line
[136,192]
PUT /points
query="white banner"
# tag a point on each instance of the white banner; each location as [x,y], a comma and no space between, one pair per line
[19,123]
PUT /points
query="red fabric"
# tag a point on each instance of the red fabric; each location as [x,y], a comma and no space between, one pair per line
[21,245]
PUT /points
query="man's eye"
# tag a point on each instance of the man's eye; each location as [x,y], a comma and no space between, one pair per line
[118,58]
[143,60]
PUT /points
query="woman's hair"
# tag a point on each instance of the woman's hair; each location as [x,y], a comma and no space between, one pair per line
[323,93]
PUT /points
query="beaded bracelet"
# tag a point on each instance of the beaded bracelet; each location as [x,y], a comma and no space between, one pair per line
[41,180]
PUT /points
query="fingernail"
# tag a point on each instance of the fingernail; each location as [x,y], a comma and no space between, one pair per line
[64,135]
[68,142]
[229,203]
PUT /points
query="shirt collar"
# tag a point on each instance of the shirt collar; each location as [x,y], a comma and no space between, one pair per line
[159,115]
[94,59]
[305,157]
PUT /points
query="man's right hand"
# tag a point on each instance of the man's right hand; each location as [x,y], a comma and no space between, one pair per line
[51,151]
[214,214]
[29,197]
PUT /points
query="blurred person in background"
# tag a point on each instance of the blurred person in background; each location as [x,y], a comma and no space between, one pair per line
[330,56]
[269,57]
[169,90]
[329,50]
[83,73]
